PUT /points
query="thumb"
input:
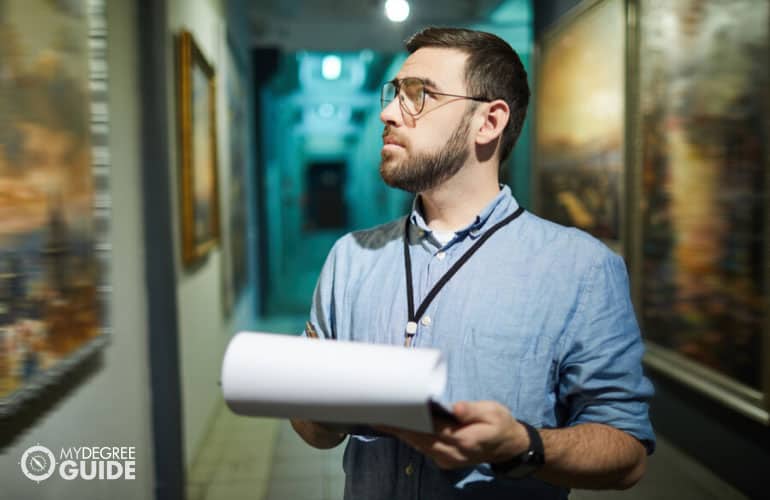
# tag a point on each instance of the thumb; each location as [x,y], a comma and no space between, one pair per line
[467,412]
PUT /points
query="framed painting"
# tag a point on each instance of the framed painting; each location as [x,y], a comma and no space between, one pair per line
[579,130]
[235,261]
[704,125]
[197,129]
[54,193]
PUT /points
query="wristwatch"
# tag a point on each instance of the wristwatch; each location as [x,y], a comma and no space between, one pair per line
[526,463]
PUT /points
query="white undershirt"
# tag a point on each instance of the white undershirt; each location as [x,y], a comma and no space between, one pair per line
[443,237]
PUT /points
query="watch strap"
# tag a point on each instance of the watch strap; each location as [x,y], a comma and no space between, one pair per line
[526,463]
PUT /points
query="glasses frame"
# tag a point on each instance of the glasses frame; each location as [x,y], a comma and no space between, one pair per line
[396,83]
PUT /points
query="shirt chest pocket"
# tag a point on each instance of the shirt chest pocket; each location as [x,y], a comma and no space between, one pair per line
[504,363]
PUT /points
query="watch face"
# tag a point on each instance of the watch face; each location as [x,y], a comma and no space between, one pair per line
[526,463]
[520,466]
[533,458]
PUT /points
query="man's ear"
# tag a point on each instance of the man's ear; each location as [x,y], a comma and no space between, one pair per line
[495,119]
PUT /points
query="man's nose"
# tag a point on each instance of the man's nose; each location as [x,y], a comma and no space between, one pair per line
[391,113]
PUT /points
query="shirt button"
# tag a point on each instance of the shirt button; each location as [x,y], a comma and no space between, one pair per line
[409,470]
[440,255]
[426,320]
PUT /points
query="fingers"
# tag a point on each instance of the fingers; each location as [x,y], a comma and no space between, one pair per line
[447,456]
[414,439]
[444,454]
[478,411]
[484,427]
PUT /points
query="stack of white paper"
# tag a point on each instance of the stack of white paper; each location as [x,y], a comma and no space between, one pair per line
[332,381]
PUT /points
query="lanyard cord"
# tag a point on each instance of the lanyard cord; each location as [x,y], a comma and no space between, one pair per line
[411,326]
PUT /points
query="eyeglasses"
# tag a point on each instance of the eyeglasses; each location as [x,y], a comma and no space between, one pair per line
[411,94]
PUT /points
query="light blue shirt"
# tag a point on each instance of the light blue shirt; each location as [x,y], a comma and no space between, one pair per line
[539,319]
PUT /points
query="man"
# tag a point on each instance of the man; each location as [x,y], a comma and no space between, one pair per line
[535,321]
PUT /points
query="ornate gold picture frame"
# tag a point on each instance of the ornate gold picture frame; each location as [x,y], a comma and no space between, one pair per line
[198,151]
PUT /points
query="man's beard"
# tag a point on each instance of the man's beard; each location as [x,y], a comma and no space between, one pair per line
[428,170]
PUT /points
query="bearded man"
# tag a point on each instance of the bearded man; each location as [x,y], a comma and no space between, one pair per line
[534,319]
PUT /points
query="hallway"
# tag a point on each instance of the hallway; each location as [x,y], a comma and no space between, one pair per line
[173,172]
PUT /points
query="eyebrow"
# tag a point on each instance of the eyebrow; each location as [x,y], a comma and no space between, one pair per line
[428,82]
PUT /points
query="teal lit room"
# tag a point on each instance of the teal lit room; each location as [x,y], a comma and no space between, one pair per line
[191,190]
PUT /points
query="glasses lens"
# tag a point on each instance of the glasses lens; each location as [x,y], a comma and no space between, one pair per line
[412,93]
[388,94]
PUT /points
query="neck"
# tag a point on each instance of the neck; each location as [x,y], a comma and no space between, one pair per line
[456,203]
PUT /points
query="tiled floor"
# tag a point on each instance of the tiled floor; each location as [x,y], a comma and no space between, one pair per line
[263,459]
[235,460]
[302,472]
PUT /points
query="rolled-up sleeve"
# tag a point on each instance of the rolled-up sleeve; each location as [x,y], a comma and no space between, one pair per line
[323,307]
[601,379]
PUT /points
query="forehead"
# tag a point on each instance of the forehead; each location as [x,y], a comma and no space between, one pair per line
[445,67]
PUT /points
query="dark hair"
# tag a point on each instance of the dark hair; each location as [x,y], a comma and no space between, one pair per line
[493,70]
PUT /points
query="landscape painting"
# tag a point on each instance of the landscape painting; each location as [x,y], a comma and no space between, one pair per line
[704,125]
[580,121]
[197,107]
[51,270]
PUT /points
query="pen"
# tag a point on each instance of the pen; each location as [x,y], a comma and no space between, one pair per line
[310,330]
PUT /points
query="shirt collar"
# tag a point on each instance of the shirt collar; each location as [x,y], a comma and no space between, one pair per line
[499,208]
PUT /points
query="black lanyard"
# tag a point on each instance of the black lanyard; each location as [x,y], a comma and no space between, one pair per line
[411,325]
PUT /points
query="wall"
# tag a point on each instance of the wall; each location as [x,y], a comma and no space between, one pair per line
[204,325]
[734,447]
[239,27]
[107,401]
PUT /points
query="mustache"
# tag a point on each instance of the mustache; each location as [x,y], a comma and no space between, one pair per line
[388,133]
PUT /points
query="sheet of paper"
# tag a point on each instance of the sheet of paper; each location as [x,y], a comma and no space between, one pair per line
[332,381]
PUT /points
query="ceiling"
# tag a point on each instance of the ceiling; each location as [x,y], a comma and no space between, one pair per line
[351,25]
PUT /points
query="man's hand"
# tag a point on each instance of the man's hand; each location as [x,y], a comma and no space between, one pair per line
[317,435]
[586,456]
[487,432]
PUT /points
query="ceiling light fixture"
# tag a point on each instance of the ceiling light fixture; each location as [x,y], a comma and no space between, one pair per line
[331,67]
[397,10]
